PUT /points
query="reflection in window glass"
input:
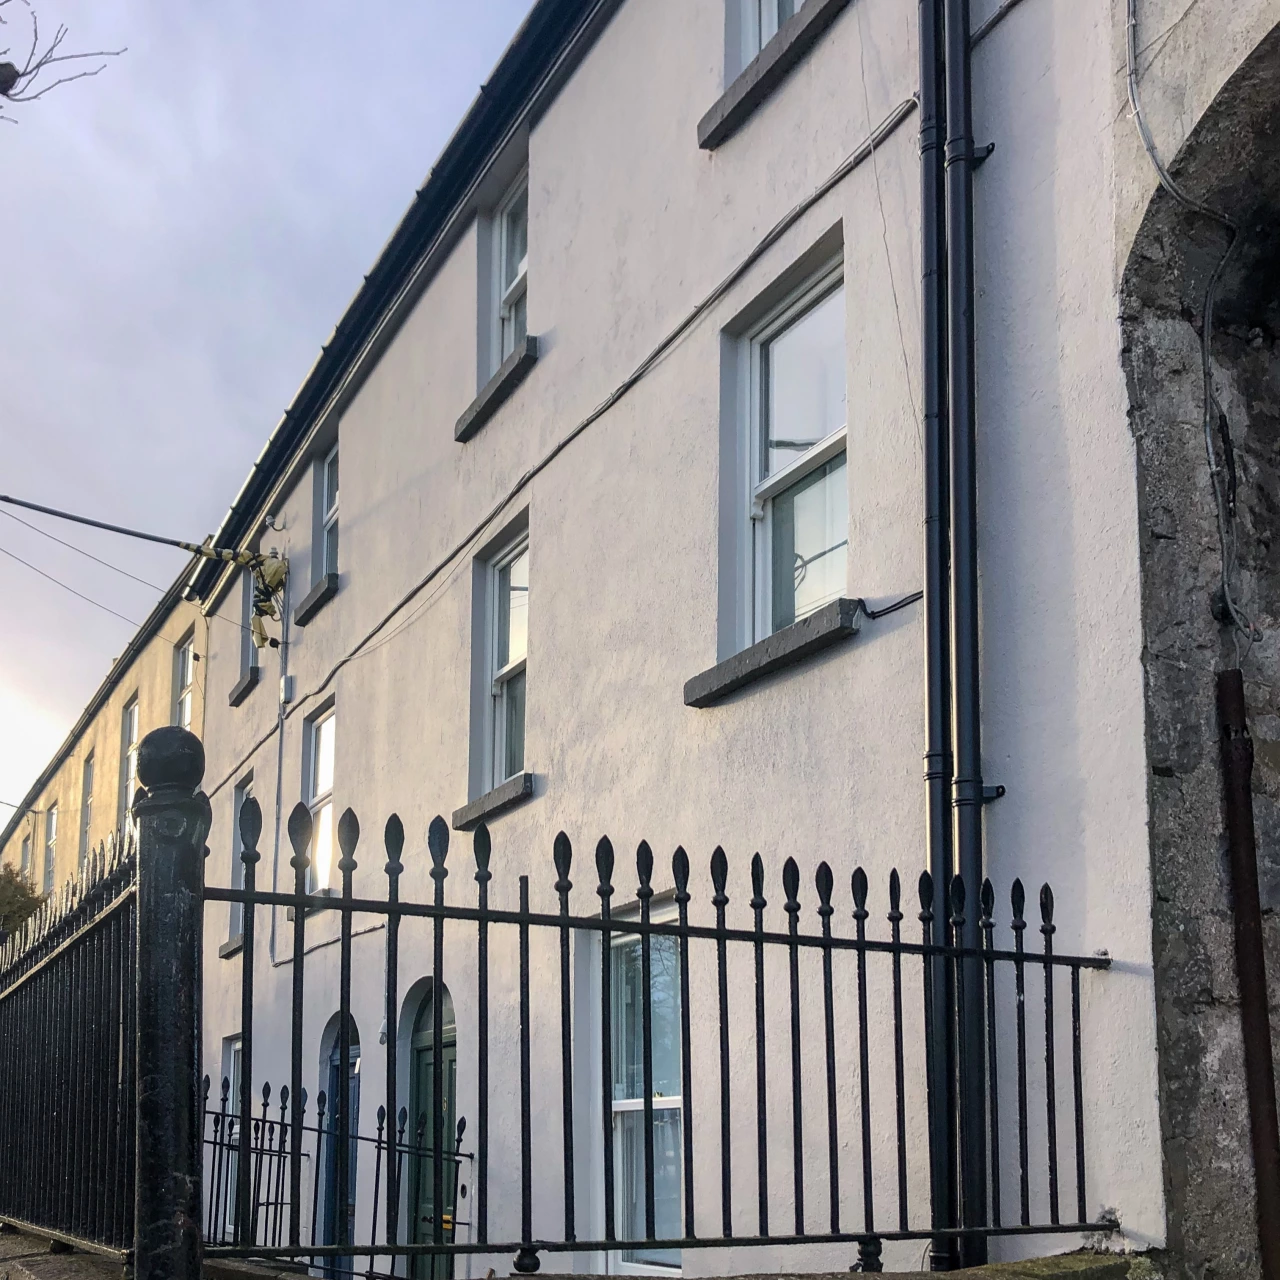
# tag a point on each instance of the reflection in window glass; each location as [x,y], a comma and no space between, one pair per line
[627,982]
[810,543]
[323,734]
[511,646]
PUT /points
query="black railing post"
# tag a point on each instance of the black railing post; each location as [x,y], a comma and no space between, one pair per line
[173,820]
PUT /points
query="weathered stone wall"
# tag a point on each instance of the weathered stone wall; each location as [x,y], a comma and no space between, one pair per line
[1232,161]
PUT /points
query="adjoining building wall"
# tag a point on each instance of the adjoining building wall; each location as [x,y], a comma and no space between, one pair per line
[1230,160]
[146,678]
[631,225]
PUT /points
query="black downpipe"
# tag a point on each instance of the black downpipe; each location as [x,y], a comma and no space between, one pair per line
[966,795]
[937,614]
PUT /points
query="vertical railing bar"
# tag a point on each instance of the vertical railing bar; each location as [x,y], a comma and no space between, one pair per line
[758,904]
[348,838]
[604,870]
[859,887]
[899,1067]
[987,931]
[1050,1072]
[563,858]
[263,1140]
[482,877]
[720,900]
[300,832]
[791,887]
[526,1113]
[963,1065]
[644,865]
[680,874]
[825,884]
[1077,1080]
[250,829]
[1017,899]
[438,843]
[321,1099]
[393,842]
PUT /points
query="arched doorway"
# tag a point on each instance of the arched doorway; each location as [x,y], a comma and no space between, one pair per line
[422,1189]
[342,1091]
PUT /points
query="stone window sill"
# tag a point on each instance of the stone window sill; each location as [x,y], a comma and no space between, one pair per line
[495,393]
[233,946]
[766,71]
[244,686]
[313,908]
[316,599]
[830,625]
[506,795]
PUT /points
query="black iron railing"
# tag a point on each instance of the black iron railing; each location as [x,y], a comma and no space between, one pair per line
[709,969]
[67,1019]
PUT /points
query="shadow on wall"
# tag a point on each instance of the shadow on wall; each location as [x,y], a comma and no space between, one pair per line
[1231,161]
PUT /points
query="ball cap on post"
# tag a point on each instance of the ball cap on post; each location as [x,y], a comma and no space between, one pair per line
[170,759]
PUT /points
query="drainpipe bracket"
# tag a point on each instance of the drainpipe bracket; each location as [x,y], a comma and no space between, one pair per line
[993,793]
[981,155]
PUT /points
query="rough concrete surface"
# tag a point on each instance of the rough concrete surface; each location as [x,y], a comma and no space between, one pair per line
[1230,162]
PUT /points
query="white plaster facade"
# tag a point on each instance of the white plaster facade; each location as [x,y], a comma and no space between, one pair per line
[631,225]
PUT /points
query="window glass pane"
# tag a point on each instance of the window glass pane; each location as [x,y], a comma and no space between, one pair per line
[810,542]
[628,1128]
[804,384]
[322,846]
[322,760]
[628,1042]
[331,548]
[331,482]
[513,717]
[515,238]
[515,591]
[519,322]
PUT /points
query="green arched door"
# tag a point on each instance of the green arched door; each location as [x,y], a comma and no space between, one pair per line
[421,1162]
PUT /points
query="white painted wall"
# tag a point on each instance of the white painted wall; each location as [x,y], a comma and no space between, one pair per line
[630,225]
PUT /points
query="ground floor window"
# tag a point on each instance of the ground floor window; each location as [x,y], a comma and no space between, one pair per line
[627,981]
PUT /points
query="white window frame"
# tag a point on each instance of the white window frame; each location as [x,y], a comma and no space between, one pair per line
[505,300]
[664,913]
[497,677]
[184,655]
[87,779]
[316,800]
[50,847]
[763,489]
[758,23]
[248,650]
[329,514]
[130,736]
[25,865]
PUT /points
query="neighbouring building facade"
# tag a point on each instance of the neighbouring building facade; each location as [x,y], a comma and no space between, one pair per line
[628,541]
[82,796]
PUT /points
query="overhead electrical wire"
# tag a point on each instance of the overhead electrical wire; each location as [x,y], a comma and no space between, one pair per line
[97,604]
[858,156]
[1224,502]
[106,564]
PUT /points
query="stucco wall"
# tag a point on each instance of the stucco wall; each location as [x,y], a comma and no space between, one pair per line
[630,225]
[149,678]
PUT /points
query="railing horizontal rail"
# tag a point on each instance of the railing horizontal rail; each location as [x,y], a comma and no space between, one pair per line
[314,904]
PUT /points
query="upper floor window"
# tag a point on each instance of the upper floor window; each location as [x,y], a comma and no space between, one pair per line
[799,499]
[86,808]
[26,858]
[184,667]
[248,650]
[509,647]
[243,791]
[512,244]
[128,760]
[329,514]
[757,23]
[319,797]
[50,846]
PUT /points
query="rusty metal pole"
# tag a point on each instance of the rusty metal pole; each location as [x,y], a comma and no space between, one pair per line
[1260,1084]
[173,821]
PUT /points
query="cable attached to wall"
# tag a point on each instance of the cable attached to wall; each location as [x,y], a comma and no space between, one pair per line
[1221,474]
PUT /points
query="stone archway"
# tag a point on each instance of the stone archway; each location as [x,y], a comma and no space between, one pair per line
[1231,161]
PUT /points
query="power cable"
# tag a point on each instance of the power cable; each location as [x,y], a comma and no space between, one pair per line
[106,564]
[97,604]
[858,156]
[1224,503]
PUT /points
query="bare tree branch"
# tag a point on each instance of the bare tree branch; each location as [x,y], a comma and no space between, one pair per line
[23,82]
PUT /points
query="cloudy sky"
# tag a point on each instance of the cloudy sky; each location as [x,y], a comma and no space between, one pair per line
[179,236]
